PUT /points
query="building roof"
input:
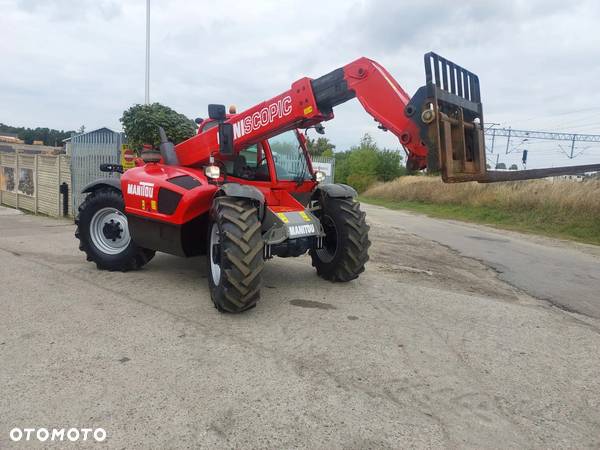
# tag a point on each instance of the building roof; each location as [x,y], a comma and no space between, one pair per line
[99,130]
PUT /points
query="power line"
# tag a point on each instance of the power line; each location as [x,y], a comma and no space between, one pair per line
[517,140]
[530,134]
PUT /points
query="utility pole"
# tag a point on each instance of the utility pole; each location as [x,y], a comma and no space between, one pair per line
[147,96]
[490,127]
[572,147]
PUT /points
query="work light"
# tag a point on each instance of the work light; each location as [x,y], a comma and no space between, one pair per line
[212,172]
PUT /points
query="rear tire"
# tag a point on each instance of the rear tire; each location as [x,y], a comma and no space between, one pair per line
[103,233]
[235,254]
[346,244]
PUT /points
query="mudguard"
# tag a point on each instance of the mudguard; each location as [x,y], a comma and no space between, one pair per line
[114,183]
[244,191]
[337,190]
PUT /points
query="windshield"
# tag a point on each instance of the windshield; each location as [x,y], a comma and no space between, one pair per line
[289,159]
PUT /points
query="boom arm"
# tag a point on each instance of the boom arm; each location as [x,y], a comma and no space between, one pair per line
[441,126]
[310,102]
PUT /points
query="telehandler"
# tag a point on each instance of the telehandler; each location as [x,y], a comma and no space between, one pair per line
[244,190]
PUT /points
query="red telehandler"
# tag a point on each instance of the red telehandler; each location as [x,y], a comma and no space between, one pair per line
[244,190]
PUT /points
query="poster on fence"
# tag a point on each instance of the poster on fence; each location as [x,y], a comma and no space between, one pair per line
[7,179]
[323,167]
[26,182]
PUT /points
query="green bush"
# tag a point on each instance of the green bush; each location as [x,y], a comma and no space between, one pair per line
[361,182]
[366,163]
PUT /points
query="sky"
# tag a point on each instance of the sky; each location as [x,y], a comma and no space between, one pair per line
[67,63]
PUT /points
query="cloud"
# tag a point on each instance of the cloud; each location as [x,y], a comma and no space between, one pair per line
[69,10]
[70,62]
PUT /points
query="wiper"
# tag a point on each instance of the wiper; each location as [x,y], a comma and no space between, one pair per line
[301,160]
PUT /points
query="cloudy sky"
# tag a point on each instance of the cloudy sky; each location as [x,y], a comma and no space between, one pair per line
[67,63]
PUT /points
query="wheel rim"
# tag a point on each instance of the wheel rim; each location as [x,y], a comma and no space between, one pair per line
[215,254]
[327,253]
[109,231]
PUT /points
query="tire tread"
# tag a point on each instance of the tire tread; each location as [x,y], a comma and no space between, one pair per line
[355,247]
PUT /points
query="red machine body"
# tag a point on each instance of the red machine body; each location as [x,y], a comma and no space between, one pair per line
[162,200]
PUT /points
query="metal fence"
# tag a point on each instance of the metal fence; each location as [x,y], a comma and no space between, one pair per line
[88,151]
[293,165]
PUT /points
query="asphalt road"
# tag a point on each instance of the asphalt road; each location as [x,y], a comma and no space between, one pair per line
[428,348]
[565,274]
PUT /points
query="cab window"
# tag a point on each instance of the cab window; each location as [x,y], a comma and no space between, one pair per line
[249,164]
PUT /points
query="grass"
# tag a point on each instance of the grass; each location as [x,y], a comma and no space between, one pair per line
[562,209]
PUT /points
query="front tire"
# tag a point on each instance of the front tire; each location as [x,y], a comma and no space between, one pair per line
[346,243]
[103,233]
[235,254]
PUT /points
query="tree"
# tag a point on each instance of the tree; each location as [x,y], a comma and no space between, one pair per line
[319,146]
[81,129]
[388,165]
[362,164]
[141,122]
[28,135]
[500,166]
[341,167]
[328,153]
[513,167]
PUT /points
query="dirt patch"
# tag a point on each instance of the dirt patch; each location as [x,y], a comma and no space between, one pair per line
[419,261]
[311,304]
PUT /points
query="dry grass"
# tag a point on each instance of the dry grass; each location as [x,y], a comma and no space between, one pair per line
[565,208]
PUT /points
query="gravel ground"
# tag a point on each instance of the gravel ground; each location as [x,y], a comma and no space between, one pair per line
[427,348]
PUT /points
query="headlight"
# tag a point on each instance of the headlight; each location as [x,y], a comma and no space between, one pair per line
[212,172]
[319,176]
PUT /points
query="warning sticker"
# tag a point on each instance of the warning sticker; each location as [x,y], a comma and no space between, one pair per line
[304,216]
[127,157]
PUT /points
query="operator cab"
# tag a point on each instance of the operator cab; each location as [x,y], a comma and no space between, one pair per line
[288,156]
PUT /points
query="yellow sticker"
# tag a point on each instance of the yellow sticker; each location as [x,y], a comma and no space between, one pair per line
[127,157]
[304,216]
[153,205]
[283,217]
[308,110]
[143,204]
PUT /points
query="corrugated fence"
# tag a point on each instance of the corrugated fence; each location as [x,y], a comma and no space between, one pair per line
[88,152]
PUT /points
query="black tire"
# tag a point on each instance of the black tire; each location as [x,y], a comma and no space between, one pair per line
[238,256]
[346,244]
[130,256]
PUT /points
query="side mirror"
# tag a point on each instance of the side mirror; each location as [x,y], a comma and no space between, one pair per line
[225,138]
[216,112]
